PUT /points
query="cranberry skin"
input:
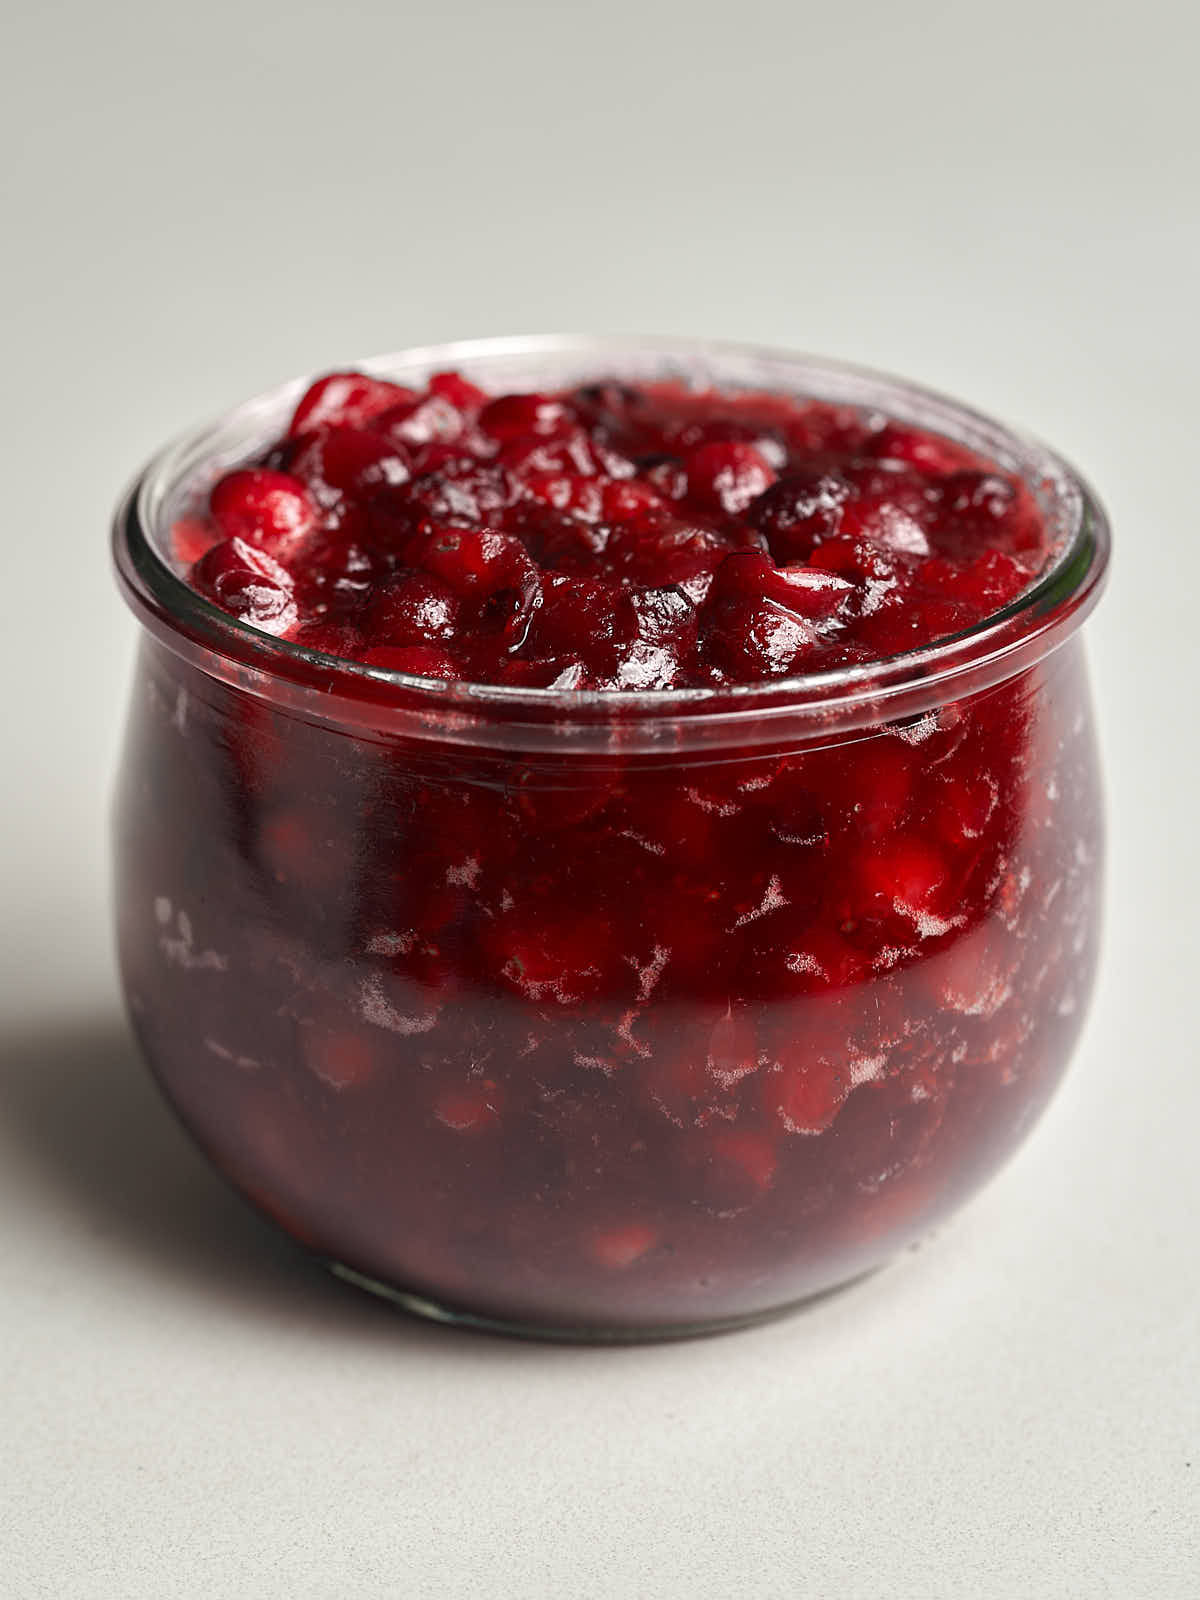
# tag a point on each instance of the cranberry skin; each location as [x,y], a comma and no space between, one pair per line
[579,616]
[270,509]
[474,563]
[339,461]
[521,416]
[413,608]
[559,540]
[746,631]
[902,625]
[807,591]
[666,477]
[727,476]
[462,394]
[626,499]
[804,1094]
[905,877]
[890,506]
[753,639]
[801,510]
[249,584]
[620,1248]
[551,959]
[349,398]
[861,561]
[341,1061]
[658,549]
[927,452]
[461,492]
[988,583]
[564,491]
[472,1108]
[976,513]
[335,577]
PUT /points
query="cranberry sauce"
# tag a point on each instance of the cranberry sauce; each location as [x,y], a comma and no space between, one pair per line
[613,1037]
[607,537]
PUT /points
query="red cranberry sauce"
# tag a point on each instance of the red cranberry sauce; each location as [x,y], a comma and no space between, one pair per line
[628,1041]
[607,537]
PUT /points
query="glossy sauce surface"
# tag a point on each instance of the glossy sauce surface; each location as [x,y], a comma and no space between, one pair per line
[608,537]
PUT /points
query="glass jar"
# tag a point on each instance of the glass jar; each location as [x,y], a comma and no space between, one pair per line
[608,1015]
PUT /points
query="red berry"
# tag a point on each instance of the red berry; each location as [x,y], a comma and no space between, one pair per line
[249,584]
[656,549]
[521,416]
[349,398]
[462,394]
[805,590]
[270,509]
[335,577]
[804,1093]
[800,511]
[727,477]
[576,615]
[623,1246]
[349,461]
[928,452]
[341,1060]
[902,874]
[745,630]
[414,608]
[472,1108]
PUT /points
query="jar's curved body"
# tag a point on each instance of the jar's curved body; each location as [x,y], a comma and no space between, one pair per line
[651,1043]
[610,1035]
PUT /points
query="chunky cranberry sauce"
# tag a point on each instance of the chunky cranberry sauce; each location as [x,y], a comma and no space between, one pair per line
[607,537]
[617,1037]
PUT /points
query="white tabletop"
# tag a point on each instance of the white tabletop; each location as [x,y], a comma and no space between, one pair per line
[1003,205]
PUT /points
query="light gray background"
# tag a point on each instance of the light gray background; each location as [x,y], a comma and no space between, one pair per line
[999,201]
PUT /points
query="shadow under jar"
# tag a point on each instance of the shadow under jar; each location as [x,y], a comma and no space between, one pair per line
[609,1015]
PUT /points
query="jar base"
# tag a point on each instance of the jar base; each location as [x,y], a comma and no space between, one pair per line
[420,1305]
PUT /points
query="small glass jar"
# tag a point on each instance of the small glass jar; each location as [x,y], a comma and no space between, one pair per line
[608,1015]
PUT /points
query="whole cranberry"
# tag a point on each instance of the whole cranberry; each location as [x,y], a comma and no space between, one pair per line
[727,476]
[524,416]
[808,591]
[660,548]
[349,398]
[749,634]
[337,461]
[928,452]
[412,608]
[249,584]
[472,561]
[272,510]
[462,394]
[801,510]
[974,509]
[336,575]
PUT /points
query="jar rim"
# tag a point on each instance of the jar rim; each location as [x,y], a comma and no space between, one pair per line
[1003,644]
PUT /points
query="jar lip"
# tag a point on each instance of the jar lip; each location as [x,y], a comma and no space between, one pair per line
[1004,643]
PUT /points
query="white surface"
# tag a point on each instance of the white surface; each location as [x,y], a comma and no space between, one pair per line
[199,202]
